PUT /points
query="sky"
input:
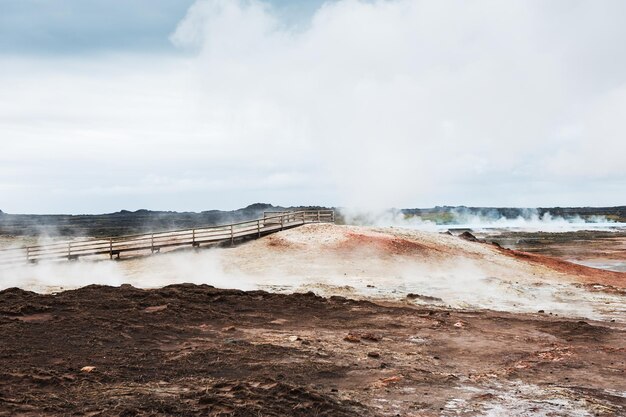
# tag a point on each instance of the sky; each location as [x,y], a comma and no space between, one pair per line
[215,104]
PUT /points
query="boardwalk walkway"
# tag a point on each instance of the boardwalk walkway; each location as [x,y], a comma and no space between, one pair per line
[154,242]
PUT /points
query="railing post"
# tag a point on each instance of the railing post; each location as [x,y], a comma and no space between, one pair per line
[69,251]
[152,243]
[110,248]
[258,228]
[282,220]
[193,238]
[27,254]
[318,216]
[232,235]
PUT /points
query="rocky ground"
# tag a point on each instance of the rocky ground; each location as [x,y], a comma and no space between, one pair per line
[188,350]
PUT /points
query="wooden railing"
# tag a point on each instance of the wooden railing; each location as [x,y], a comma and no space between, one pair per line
[154,242]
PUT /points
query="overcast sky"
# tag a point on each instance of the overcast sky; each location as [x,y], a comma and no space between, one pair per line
[194,105]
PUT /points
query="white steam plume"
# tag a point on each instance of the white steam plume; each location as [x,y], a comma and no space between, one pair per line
[370,104]
[527,220]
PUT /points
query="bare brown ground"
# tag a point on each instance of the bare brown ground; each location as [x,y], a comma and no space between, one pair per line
[187,350]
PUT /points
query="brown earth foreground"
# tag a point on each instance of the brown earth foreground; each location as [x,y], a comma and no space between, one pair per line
[187,350]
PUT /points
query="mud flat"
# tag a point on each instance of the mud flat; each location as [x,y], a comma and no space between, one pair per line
[198,350]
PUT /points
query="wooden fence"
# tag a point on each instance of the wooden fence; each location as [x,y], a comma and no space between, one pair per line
[154,242]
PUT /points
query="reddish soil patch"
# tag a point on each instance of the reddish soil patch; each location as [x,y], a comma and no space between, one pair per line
[582,273]
[381,244]
[279,243]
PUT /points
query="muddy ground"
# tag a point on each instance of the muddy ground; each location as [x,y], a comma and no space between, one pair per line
[187,350]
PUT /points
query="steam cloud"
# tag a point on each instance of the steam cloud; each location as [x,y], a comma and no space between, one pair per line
[459,282]
[368,104]
[151,272]
[526,220]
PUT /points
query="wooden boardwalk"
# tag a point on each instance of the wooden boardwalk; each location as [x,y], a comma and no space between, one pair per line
[154,242]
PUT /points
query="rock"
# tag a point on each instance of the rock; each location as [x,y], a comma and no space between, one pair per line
[389,380]
[154,309]
[229,329]
[413,296]
[468,236]
[352,338]
[371,337]
[235,341]
[87,369]
[294,338]
[373,354]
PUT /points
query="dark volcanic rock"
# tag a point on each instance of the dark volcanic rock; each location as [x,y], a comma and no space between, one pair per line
[468,236]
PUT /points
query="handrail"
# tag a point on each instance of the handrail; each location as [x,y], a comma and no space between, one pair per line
[154,241]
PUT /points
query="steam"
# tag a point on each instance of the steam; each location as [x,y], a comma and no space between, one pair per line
[458,283]
[143,272]
[479,220]
[369,104]
[152,272]
[473,276]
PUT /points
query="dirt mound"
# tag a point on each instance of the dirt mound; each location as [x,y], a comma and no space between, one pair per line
[378,249]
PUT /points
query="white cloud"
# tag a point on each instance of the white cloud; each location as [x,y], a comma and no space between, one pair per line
[383,103]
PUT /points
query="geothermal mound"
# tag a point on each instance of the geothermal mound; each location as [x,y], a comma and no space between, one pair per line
[328,249]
